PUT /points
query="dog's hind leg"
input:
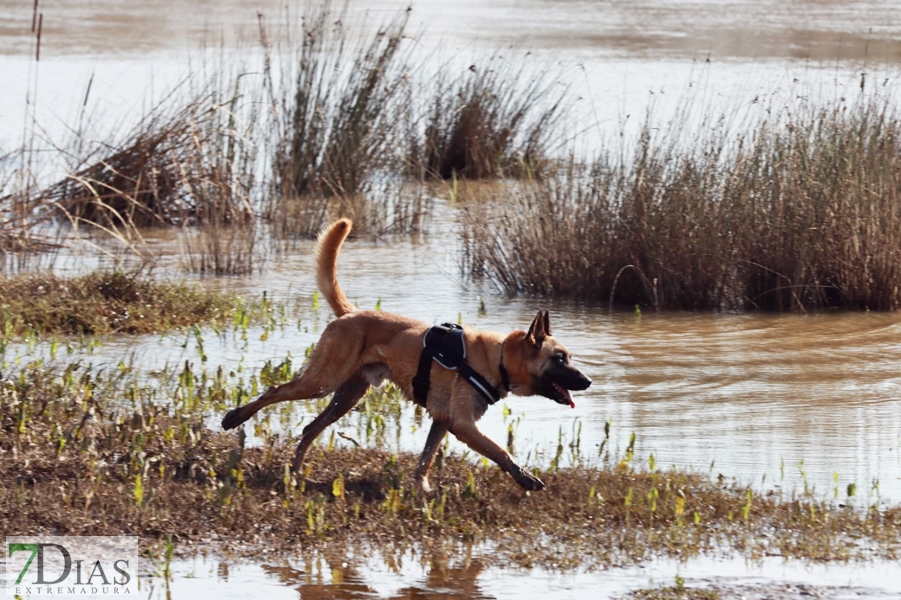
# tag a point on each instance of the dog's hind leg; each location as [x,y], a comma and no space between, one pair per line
[305,387]
[470,434]
[334,361]
[432,443]
[346,397]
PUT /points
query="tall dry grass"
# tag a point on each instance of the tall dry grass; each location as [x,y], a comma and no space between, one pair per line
[819,197]
[185,162]
[326,124]
[192,161]
[799,211]
[334,97]
[493,118]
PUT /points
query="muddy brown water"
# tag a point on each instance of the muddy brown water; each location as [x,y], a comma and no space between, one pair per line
[735,29]
[437,578]
[771,401]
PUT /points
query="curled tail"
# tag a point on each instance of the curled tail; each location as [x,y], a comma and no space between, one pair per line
[328,246]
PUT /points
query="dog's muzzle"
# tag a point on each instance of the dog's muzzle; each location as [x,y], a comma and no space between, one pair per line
[558,384]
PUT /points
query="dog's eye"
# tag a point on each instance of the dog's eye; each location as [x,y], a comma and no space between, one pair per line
[560,358]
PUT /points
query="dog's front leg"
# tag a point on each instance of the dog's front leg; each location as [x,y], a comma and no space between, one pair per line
[432,443]
[470,434]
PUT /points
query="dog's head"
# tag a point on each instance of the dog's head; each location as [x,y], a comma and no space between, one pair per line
[542,366]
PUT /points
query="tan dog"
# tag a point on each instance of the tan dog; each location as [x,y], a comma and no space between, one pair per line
[363,348]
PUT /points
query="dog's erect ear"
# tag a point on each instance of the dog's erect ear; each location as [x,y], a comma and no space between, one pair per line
[539,329]
[547,323]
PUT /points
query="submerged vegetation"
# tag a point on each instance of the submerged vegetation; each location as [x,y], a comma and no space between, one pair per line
[120,451]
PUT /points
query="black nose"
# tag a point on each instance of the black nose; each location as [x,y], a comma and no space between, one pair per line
[574,380]
[583,384]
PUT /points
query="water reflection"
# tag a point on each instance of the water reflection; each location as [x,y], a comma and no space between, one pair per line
[434,577]
[442,578]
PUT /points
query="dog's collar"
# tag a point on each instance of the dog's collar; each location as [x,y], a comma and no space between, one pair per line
[505,377]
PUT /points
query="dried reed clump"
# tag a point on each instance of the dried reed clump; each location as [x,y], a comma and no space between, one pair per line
[490,120]
[136,185]
[531,237]
[799,214]
[191,161]
[606,233]
[335,107]
[819,200]
[174,167]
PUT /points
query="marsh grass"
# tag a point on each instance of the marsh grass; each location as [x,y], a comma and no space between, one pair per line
[491,119]
[795,211]
[329,123]
[115,451]
[819,193]
[106,302]
[335,105]
[192,160]
[170,169]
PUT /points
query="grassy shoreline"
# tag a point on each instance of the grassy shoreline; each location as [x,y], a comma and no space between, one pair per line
[359,498]
[85,452]
[106,302]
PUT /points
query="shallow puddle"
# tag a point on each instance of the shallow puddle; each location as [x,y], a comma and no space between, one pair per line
[371,574]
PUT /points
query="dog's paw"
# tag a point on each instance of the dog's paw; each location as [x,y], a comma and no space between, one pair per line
[232,419]
[530,483]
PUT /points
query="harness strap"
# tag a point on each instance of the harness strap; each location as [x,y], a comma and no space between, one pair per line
[505,377]
[444,344]
[421,379]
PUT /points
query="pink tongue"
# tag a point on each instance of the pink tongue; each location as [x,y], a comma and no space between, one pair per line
[567,395]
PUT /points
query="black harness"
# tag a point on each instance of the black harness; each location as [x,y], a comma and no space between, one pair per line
[444,344]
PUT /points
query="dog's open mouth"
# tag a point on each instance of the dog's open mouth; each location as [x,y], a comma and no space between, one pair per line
[562,395]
